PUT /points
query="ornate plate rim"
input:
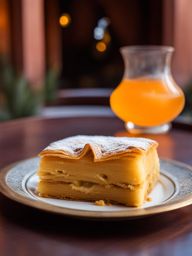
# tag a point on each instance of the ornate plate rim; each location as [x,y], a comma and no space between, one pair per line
[161,208]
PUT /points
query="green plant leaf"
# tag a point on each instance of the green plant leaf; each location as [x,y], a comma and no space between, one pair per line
[20,100]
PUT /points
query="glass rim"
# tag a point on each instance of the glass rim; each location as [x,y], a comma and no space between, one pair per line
[147,48]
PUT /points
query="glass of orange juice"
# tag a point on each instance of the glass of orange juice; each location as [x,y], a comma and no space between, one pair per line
[147,98]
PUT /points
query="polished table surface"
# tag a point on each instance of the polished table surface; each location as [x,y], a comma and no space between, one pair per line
[27,231]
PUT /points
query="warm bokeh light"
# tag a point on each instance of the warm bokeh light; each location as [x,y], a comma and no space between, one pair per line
[65,20]
[101,46]
[107,37]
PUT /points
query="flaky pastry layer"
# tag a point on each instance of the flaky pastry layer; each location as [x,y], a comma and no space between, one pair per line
[102,147]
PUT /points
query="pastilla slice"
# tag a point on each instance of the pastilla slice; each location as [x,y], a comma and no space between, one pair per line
[117,169]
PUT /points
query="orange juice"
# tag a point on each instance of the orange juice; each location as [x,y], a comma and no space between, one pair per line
[147,101]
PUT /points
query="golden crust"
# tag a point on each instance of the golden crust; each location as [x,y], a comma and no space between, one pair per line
[102,147]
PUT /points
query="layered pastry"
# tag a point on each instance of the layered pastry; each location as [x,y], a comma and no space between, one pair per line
[91,168]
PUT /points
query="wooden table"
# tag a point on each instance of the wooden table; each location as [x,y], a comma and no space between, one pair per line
[27,231]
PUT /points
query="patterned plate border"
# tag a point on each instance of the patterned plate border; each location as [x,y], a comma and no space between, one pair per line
[13,180]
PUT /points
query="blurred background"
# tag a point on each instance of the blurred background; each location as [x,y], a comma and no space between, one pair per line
[54,50]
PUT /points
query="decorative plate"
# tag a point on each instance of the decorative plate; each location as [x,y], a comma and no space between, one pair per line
[174,190]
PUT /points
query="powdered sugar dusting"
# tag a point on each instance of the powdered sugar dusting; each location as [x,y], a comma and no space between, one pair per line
[101,145]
